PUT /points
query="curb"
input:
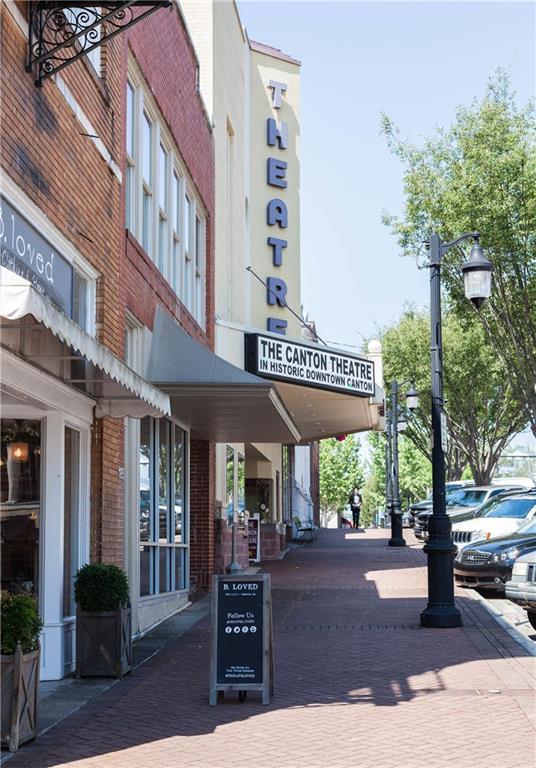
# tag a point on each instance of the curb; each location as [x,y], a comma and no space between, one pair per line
[514,633]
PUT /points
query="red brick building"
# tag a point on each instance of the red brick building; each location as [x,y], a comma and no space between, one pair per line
[107,219]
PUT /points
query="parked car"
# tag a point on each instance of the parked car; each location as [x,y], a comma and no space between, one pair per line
[461,503]
[521,588]
[452,487]
[499,517]
[489,563]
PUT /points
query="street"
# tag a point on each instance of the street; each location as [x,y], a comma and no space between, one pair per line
[358,681]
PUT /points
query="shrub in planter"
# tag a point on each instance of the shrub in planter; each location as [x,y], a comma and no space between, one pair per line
[20,627]
[103,621]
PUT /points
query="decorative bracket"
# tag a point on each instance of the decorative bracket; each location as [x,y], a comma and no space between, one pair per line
[62,31]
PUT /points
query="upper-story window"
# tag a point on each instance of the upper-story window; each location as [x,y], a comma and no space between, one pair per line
[162,209]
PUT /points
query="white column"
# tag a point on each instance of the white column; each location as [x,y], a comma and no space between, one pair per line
[51,586]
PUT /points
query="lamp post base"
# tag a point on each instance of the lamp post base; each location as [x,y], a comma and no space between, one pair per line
[397,542]
[441,617]
[441,611]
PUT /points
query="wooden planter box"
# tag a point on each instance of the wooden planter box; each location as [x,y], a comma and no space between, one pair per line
[19,683]
[103,643]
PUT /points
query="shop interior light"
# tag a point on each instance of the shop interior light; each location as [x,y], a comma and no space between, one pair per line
[18,452]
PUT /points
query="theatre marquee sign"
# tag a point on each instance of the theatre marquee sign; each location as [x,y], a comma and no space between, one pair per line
[309,366]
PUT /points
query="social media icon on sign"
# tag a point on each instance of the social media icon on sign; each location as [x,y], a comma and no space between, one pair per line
[228,630]
[236,630]
[253,629]
[245,629]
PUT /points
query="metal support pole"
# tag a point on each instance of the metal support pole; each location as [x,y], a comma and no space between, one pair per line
[441,610]
[397,538]
[233,566]
[388,473]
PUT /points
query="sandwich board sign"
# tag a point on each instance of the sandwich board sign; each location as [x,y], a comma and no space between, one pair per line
[242,647]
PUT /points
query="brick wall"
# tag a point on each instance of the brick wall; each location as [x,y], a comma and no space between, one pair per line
[202,498]
[44,151]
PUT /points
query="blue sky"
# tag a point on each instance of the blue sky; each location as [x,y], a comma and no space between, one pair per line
[415,61]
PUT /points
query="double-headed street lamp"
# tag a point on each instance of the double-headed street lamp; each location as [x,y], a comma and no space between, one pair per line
[393,427]
[441,611]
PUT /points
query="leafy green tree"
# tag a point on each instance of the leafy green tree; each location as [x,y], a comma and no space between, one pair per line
[482,413]
[340,470]
[414,475]
[480,175]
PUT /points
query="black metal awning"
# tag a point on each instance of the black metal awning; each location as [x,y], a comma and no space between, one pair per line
[61,31]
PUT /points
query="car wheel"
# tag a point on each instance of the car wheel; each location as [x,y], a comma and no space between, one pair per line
[532,618]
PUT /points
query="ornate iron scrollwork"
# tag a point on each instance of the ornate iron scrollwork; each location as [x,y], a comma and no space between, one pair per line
[61,31]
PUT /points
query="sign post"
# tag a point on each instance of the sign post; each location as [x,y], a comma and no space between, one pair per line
[254,535]
[242,645]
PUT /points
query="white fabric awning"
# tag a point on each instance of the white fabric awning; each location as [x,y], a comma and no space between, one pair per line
[45,336]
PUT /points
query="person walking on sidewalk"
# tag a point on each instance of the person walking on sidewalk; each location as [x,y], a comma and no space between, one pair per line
[355,502]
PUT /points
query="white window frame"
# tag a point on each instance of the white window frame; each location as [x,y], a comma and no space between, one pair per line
[172,259]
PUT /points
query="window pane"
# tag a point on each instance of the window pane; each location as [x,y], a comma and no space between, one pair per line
[164,570]
[70,519]
[187,220]
[163,483]
[176,203]
[145,479]
[20,473]
[180,557]
[80,289]
[176,267]
[128,197]
[146,147]
[162,246]
[199,229]
[146,222]
[179,485]
[146,570]
[130,120]
[162,178]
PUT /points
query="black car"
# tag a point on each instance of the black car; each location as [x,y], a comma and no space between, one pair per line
[489,563]
[452,488]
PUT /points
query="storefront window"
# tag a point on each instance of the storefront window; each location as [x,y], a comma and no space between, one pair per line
[229,485]
[162,524]
[20,501]
[70,518]
[241,490]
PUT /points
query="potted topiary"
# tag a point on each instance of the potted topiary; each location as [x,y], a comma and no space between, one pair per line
[20,628]
[103,622]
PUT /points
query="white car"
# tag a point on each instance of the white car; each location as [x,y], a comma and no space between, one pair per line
[521,588]
[498,517]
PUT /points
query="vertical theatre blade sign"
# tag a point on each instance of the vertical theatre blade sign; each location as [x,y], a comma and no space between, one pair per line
[276,212]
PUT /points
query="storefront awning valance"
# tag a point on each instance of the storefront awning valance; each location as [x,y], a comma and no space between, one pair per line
[45,336]
[216,399]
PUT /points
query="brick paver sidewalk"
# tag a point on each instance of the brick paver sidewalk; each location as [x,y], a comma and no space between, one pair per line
[358,682]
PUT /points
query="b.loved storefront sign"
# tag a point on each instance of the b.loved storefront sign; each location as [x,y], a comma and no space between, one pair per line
[24,251]
[310,366]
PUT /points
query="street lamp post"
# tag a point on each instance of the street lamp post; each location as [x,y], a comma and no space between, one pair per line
[441,611]
[388,474]
[397,538]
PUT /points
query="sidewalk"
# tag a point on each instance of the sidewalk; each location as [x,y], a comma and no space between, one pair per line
[358,682]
